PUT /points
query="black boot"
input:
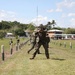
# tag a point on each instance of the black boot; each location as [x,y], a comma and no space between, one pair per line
[48,58]
[28,52]
[31,58]
[39,52]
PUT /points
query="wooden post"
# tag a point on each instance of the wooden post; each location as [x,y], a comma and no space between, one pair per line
[16,47]
[70,45]
[19,45]
[2,52]
[64,44]
[11,48]
[60,44]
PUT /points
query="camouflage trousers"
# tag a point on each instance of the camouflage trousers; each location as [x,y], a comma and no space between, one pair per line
[38,45]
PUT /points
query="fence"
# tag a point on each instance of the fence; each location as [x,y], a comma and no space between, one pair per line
[13,48]
[66,44]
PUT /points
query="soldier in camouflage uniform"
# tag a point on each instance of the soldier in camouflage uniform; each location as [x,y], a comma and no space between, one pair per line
[43,40]
[33,42]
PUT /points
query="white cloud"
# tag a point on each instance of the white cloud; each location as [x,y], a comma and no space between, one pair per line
[71,14]
[63,15]
[2,13]
[72,21]
[68,16]
[70,4]
[51,10]
[67,8]
[39,20]
[7,15]
[11,16]
[58,10]
[66,3]
[23,20]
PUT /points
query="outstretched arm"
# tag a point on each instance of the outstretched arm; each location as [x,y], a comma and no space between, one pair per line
[31,48]
[33,45]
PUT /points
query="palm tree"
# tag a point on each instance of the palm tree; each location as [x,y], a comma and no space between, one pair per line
[53,23]
[50,24]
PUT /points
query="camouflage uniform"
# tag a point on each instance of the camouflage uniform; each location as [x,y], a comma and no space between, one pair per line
[33,42]
[43,40]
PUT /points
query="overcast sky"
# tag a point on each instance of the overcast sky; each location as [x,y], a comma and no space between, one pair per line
[25,11]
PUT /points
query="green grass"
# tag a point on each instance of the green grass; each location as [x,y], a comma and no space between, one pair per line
[61,62]
[5,42]
[56,43]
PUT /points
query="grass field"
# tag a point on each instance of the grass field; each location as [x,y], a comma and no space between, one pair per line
[61,62]
[5,42]
[56,44]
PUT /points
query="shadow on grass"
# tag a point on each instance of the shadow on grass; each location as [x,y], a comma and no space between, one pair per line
[44,53]
[58,59]
[49,59]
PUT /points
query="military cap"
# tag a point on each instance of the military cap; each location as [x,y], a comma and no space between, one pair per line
[41,27]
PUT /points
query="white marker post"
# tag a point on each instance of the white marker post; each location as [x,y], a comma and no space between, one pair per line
[2,52]
[70,45]
[64,44]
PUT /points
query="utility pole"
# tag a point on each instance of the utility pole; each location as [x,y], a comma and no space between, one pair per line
[37,16]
